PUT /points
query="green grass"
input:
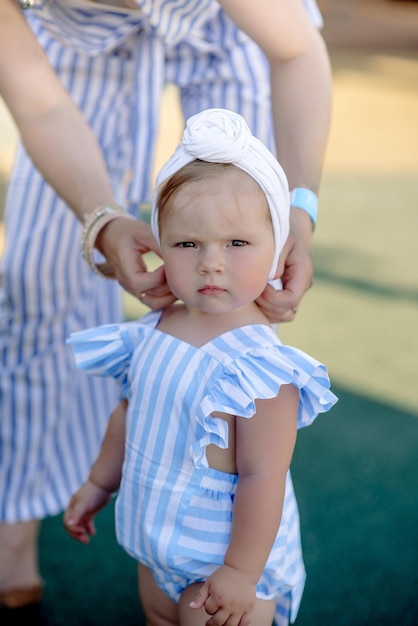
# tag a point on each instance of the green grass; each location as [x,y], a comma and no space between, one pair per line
[355,472]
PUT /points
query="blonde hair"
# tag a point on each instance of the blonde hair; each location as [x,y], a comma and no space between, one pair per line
[196,171]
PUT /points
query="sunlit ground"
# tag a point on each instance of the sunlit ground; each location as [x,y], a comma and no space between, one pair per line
[361,315]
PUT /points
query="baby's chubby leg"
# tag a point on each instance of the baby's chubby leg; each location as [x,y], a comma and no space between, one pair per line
[263,611]
[159,609]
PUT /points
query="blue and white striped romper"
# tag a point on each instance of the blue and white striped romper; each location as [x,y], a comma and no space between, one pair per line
[173,512]
[115,63]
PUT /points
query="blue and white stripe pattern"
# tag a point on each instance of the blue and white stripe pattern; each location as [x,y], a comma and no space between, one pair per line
[52,417]
[99,29]
[173,512]
[115,63]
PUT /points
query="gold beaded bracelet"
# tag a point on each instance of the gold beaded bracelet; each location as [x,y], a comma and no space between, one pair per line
[93,224]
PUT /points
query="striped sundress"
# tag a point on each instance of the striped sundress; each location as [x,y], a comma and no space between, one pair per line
[174,512]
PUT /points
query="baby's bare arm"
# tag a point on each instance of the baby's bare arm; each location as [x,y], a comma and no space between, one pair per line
[104,479]
[106,471]
[264,448]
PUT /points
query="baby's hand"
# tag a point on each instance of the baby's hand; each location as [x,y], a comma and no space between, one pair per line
[79,515]
[228,596]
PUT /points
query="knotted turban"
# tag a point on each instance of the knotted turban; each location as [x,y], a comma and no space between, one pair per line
[222,136]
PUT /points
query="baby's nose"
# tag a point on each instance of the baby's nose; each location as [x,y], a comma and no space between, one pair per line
[211,260]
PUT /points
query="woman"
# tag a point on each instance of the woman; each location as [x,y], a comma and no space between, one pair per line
[115,62]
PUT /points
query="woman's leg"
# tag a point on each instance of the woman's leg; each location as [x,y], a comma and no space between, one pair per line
[17,548]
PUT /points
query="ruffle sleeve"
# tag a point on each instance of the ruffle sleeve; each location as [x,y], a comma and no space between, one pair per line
[259,375]
[105,351]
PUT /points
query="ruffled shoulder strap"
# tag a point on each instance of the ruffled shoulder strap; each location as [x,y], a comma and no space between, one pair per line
[259,373]
[107,350]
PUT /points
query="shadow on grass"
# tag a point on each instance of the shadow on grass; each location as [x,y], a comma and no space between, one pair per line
[383,291]
[356,477]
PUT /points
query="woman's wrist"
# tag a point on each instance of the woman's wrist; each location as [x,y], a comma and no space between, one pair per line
[94,222]
[306,200]
[301,226]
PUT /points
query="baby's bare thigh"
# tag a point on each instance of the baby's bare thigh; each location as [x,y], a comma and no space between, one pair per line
[263,612]
[159,609]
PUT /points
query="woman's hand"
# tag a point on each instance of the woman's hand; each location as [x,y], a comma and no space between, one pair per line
[124,242]
[295,268]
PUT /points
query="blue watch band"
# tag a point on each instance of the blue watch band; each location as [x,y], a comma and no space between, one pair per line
[306,200]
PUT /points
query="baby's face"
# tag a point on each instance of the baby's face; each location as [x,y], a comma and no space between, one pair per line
[217,242]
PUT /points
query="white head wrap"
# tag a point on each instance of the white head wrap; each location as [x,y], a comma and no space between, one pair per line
[221,136]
